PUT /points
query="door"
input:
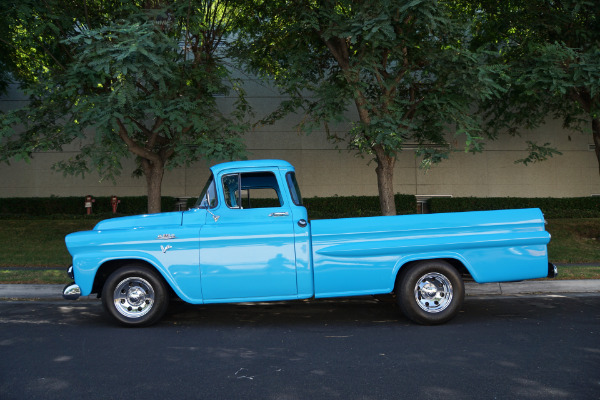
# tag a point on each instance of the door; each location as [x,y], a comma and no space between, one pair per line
[247,248]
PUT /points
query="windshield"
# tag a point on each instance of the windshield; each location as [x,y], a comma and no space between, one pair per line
[208,196]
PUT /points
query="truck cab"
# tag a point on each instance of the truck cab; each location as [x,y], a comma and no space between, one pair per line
[254,215]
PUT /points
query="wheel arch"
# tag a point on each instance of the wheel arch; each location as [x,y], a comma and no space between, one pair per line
[110,266]
[455,261]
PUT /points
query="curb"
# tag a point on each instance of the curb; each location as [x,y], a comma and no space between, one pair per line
[533,287]
[54,292]
[34,292]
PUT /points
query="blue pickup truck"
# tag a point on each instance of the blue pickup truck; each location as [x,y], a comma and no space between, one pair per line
[248,239]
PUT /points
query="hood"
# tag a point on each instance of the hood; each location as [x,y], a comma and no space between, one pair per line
[140,221]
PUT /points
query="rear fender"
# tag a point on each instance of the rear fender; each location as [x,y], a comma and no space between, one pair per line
[454,258]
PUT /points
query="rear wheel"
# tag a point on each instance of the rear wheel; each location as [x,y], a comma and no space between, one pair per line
[430,292]
[135,296]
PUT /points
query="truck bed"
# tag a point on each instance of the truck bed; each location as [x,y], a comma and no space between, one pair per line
[358,256]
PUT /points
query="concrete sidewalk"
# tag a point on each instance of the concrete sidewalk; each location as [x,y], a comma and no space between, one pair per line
[54,292]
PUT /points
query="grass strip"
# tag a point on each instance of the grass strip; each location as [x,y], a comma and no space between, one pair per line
[40,243]
[569,272]
[33,276]
[574,240]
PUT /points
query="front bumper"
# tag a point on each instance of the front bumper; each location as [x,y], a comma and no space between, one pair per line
[71,291]
[552,271]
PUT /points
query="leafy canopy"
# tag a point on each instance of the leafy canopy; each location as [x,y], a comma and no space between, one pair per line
[406,67]
[140,81]
[405,64]
[552,51]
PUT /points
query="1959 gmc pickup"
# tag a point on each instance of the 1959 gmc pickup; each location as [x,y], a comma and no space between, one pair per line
[248,239]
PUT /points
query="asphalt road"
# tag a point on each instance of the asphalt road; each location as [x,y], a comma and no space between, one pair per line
[534,347]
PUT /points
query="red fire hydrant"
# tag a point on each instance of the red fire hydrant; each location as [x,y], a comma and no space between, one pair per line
[88,203]
[114,201]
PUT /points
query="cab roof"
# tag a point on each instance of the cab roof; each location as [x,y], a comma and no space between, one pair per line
[252,164]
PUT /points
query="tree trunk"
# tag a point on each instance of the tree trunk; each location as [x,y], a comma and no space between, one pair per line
[385,181]
[154,173]
[596,134]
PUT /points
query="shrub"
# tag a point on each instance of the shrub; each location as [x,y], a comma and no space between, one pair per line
[567,207]
[349,206]
[355,206]
[44,206]
[318,207]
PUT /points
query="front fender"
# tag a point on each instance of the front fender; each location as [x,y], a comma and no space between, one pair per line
[180,278]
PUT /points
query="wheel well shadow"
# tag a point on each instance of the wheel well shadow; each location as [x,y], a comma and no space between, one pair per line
[106,269]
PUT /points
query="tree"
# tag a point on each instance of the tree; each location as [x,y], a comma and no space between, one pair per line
[552,50]
[406,67]
[142,78]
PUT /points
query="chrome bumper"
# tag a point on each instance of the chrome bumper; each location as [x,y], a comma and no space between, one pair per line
[71,291]
[552,271]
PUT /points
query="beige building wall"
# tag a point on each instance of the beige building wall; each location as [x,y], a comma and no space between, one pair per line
[323,170]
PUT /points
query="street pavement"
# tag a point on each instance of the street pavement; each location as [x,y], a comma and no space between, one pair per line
[526,347]
[54,292]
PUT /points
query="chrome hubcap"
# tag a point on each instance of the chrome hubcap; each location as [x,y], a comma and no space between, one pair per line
[134,297]
[433,292]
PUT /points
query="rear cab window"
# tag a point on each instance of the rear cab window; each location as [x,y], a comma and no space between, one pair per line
[292,183]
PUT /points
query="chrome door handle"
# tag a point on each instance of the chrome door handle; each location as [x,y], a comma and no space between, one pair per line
[279,214]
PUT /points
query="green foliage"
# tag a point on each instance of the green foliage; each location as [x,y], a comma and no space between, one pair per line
[355,206]
[405,67]
[538,153]
[144,81]
[568,207]
[552,51]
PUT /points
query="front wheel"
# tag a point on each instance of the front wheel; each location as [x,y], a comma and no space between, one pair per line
[430,292]
[135,296]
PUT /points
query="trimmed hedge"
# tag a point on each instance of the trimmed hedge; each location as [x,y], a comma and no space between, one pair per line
[44,206]
[348,206]
[355,206]
[318,207]
[568,207]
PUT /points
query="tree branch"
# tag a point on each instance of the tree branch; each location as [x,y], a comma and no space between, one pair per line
[154,132]
[133,147]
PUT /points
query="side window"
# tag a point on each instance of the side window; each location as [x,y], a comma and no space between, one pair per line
[251,190]
[290,177]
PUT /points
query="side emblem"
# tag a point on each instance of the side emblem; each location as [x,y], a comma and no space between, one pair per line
[166,236]
[165,248]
